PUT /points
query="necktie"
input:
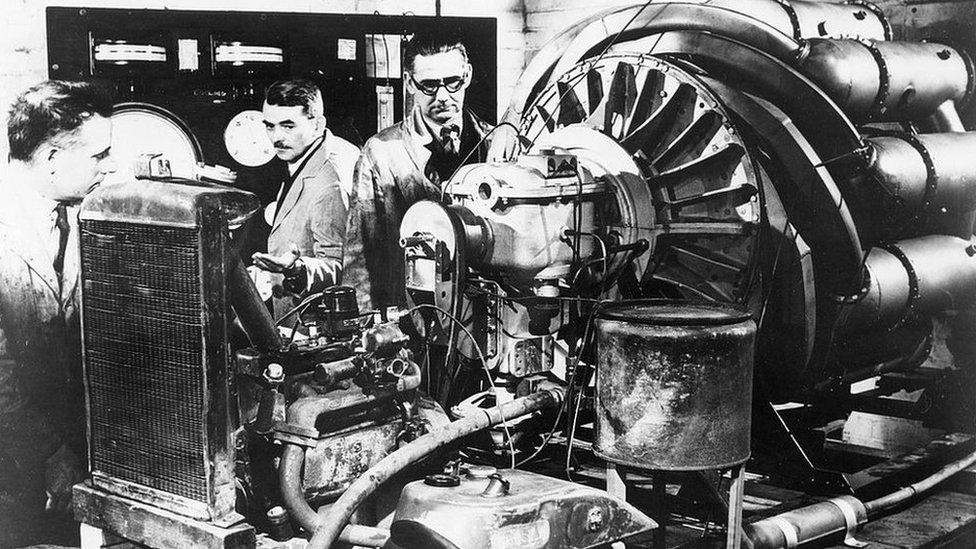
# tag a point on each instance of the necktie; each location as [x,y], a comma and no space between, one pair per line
[449,137]
[64,229]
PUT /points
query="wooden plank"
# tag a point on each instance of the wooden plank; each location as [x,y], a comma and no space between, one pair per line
[881,478]
[964,482]
[96,538]
[151,526]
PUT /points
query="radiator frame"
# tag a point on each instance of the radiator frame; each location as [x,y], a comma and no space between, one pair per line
[208,209]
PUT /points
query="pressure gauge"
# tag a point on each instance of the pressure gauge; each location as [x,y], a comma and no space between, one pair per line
[246,139]
[143,128]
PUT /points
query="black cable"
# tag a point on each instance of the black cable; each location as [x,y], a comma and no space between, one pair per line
[450,180]
[571,435]
[302,305]
[484,363]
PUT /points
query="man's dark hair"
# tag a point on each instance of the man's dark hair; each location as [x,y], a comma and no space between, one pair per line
[295,93]
[429,43]
[49,110]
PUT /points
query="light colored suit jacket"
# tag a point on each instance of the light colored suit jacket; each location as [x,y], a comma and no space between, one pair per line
[389,179]
[312,216]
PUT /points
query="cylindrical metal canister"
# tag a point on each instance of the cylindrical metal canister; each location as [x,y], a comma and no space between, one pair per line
[928,173]
[888,80]
[916,276]
[674,385]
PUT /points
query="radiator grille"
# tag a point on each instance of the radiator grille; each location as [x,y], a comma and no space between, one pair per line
[144,339]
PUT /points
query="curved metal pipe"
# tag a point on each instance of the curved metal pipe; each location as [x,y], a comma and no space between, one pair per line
[595,32]
[290,483]
[807,524]
[916,276]
[839,515]
[254,316]
[887,80]
[876,506]
[947,119]
[289,478]
[333,519]
[647,20]
[764,24]
[833,236]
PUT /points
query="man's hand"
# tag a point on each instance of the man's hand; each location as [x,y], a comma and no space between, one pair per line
[61,471]
[506,144]
[276,263]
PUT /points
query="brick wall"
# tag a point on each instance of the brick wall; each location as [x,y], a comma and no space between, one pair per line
[23,40]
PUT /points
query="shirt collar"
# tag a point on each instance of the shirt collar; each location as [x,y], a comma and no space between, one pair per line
[293,166]
[28,200]
[434,129]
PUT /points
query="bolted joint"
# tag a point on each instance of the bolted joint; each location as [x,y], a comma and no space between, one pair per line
[274,373]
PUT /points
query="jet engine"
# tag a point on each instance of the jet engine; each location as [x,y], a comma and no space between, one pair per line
[787,157]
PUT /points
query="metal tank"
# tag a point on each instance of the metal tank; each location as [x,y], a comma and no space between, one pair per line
[674,385]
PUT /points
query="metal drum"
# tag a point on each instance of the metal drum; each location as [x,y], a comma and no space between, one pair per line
[674,385]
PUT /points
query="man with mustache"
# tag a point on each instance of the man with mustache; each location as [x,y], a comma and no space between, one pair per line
[308,225]
[60,136]
[409,162]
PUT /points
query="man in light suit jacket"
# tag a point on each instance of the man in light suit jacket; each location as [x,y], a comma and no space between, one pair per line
[409,162]
[308,229]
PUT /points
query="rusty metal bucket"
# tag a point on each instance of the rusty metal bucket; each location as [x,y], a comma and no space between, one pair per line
[674,385]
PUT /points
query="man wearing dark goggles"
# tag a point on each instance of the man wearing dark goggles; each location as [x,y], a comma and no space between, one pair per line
[409,162]
[431,86]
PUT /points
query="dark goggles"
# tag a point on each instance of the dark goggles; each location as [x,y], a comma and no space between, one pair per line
[430,87]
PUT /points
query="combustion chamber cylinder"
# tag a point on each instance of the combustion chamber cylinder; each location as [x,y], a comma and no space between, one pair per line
[674,385]
[808,18]
[929,172]
[921,275]
[888,80]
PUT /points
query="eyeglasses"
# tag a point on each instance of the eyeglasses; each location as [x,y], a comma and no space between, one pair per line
[429,87]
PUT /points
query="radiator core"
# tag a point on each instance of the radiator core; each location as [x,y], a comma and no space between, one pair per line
[154,322]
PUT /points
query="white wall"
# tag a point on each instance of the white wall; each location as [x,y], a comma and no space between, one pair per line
[545,18]
[23,37]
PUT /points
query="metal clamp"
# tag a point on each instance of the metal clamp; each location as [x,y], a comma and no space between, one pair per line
[885,25]
[850,521]
[794,19]
[884,79]
[931,175]
[913,286]
[789,531]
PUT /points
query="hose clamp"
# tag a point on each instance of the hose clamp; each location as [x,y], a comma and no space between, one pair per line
[789,531]
[850,521]
[878,108]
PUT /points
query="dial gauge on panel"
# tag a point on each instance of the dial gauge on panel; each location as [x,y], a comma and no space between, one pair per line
[247,141]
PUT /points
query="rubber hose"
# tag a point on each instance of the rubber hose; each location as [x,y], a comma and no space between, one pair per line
[337,515]
[290,480]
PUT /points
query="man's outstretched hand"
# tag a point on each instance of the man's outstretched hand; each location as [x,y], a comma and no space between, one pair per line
[276,263]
